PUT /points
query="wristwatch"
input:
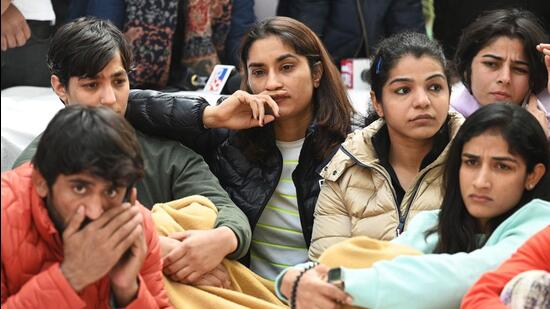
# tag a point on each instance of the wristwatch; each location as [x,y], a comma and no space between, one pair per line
[336,277]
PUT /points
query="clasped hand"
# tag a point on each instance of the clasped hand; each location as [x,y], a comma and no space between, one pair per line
[113,244]
[194,257]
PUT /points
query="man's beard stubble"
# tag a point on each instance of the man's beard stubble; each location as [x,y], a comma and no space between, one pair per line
[56,217]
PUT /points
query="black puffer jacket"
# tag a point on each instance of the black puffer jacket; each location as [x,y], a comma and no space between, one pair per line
[250,184]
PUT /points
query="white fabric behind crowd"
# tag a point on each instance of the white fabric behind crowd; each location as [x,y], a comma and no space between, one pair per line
[26,112]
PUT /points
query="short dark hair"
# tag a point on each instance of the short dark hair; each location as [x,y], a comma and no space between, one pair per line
[83,47]
[89,139]
[511,23]
[525,137]
[390,50]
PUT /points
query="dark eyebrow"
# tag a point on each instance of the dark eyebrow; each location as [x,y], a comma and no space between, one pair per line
[495,57]
[405,79]
[508,159]
[401,79]
[436,75]
[119,73]
[285,56]
[80,181]
[278,59]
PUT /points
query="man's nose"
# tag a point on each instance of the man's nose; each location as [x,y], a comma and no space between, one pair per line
[94,207]
[108,97]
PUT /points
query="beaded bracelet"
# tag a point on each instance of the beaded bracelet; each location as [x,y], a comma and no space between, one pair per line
[295,285]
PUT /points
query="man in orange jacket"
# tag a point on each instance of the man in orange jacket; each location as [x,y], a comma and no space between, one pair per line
[73,234]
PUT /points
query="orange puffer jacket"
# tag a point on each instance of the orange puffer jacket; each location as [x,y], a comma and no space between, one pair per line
[32,251]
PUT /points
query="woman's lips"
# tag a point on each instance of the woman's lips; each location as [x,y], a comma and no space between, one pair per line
[423,119]
[279,98]
[500,96]
[480,198]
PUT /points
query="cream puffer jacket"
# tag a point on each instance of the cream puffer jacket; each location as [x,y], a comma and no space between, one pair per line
[357,197]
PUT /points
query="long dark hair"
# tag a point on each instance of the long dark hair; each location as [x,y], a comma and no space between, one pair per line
[391,50]
[511,23]
[525,137]
[331,104]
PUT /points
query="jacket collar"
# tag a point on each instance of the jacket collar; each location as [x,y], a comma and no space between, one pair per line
[359,145]
[382,145]
[463,101]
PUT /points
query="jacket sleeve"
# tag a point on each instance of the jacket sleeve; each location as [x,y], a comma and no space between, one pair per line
[28,152]
[151,293]
[332,222]
[47,289]
[175,117]
[534,254]
[436,280]
[405,15]
[196,178]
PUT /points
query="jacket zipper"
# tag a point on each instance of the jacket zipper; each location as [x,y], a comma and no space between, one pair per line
[382,172]
[402,220]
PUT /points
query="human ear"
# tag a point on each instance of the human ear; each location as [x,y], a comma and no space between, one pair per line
[39,183]
[534,177]
[377,105]
[59,88]
[317,73]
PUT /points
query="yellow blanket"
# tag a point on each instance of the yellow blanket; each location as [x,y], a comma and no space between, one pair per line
[248,290]
[362,252]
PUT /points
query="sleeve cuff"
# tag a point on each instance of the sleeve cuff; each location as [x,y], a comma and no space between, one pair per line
[362,285]
[143,297]
[71,297]
[240,251]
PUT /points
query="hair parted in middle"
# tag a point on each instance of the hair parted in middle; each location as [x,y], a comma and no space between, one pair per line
[332,107]
[392,49]
[525,137]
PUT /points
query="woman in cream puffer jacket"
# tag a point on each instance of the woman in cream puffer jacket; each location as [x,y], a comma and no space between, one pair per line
[358,199]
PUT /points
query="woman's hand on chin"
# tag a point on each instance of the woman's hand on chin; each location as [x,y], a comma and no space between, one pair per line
[242,110]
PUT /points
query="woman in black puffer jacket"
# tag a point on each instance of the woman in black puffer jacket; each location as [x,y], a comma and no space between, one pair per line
[292,95]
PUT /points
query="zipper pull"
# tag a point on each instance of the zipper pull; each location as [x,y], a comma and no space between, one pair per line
[400,228]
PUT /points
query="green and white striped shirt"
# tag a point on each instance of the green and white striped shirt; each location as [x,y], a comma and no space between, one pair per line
[277,240]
